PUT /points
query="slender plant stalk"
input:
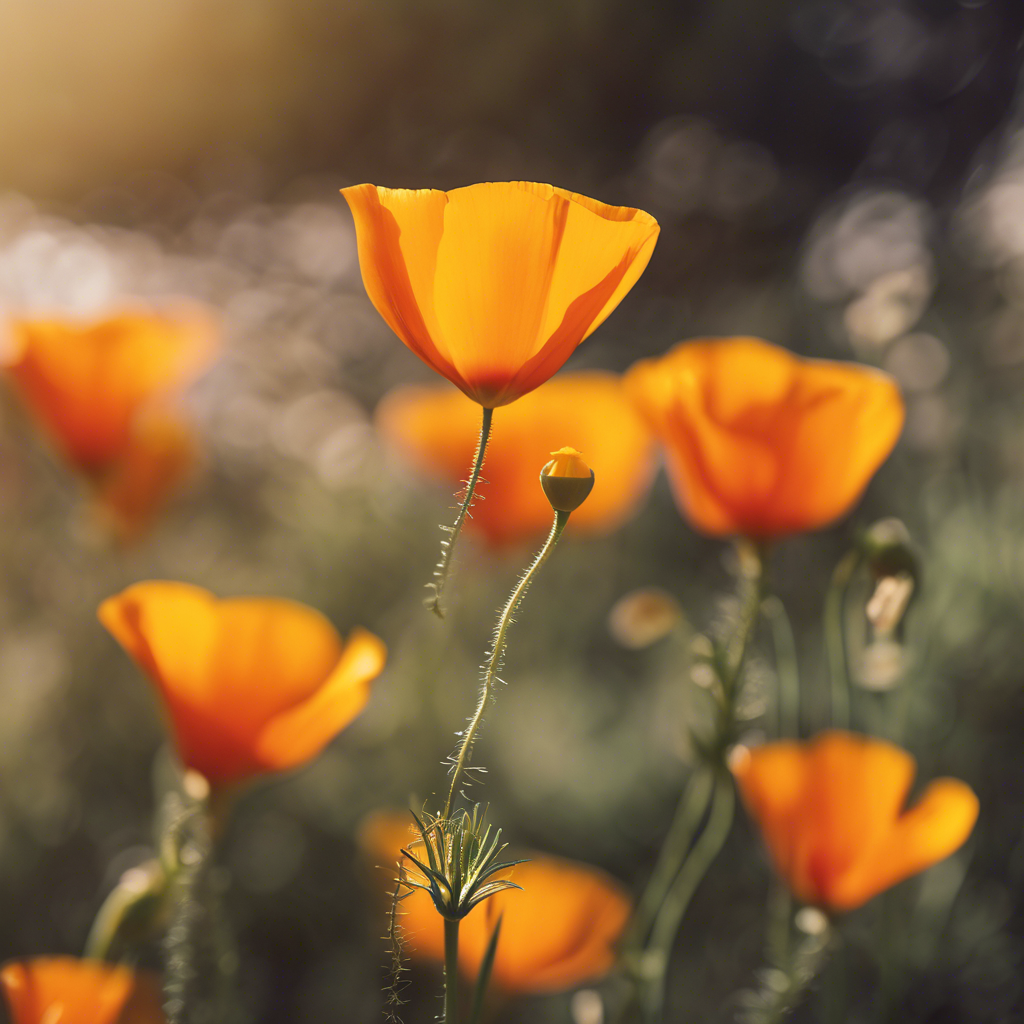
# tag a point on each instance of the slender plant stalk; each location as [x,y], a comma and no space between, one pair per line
[677,900]
[786,668]
[442,568]
[835,642]
[692,807]
[451,971]
[497,655]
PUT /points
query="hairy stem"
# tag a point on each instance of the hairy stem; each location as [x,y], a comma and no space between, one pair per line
[497,655]
[433,602]
[451,971]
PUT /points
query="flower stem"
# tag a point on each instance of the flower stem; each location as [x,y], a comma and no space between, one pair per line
[786,668]
[433,602]
[496,657]
[451,971]
[677,900]
[692,807]
[835,643]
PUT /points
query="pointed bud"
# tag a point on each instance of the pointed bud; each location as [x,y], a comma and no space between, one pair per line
[567,480]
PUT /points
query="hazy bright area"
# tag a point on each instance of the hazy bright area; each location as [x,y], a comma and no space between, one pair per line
[841,177]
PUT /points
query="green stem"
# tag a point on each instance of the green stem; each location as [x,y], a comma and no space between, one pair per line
[130,910]
[691,810]
[835,639]
[786,667]
[451,971]
[780,918]
[677,900]
[448,545]
[496,657]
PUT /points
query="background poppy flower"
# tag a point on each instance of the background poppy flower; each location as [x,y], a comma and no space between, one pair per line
[64,990]
[494,285]
[436,429]
[251,684]
[760,442]
[101,391]
[557,932]
[831,812]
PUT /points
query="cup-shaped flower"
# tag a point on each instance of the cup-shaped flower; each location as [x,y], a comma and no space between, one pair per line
[251,685]
[104,390]
[436,428]
[832,814]
[558,930]
[494,285]
[64,990]
[760,442]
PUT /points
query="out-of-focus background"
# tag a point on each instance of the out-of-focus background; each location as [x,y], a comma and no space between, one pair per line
[844,177]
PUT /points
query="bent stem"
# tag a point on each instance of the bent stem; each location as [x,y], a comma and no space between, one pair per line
[433,602]
[677,900]
[451,971]
[496,658]
[835,642]
[692,807]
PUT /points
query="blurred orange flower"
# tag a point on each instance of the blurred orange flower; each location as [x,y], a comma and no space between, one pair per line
[251,684]
[557,932]
[63,990]
[760,442]
[102,391]
[436,428]
[831,812]
[494,285]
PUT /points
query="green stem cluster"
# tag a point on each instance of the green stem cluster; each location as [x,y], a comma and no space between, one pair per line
[686,856]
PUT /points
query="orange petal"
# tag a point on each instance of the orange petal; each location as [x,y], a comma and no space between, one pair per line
[229,670]
[856,788]
[160,454]
[297,735]
[495,285]
[830,812]
[751,433]
[935,827]
[437,428]
[86,381]
[559,931]
[63,990]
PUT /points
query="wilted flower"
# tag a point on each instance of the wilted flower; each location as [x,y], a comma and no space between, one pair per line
[760,442]
[831,812]
[494,285]
[437,429]
[64,990]
[251,685]
[557,931]
[104,393]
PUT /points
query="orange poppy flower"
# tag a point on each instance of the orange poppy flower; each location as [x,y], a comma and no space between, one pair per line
[557,932]
[831,812]
[100,389]
[760,442]
[63,990]
[494,285]
[251,685]
[436,429]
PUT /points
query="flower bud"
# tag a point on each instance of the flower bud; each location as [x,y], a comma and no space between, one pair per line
[887,547]
[567,480]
